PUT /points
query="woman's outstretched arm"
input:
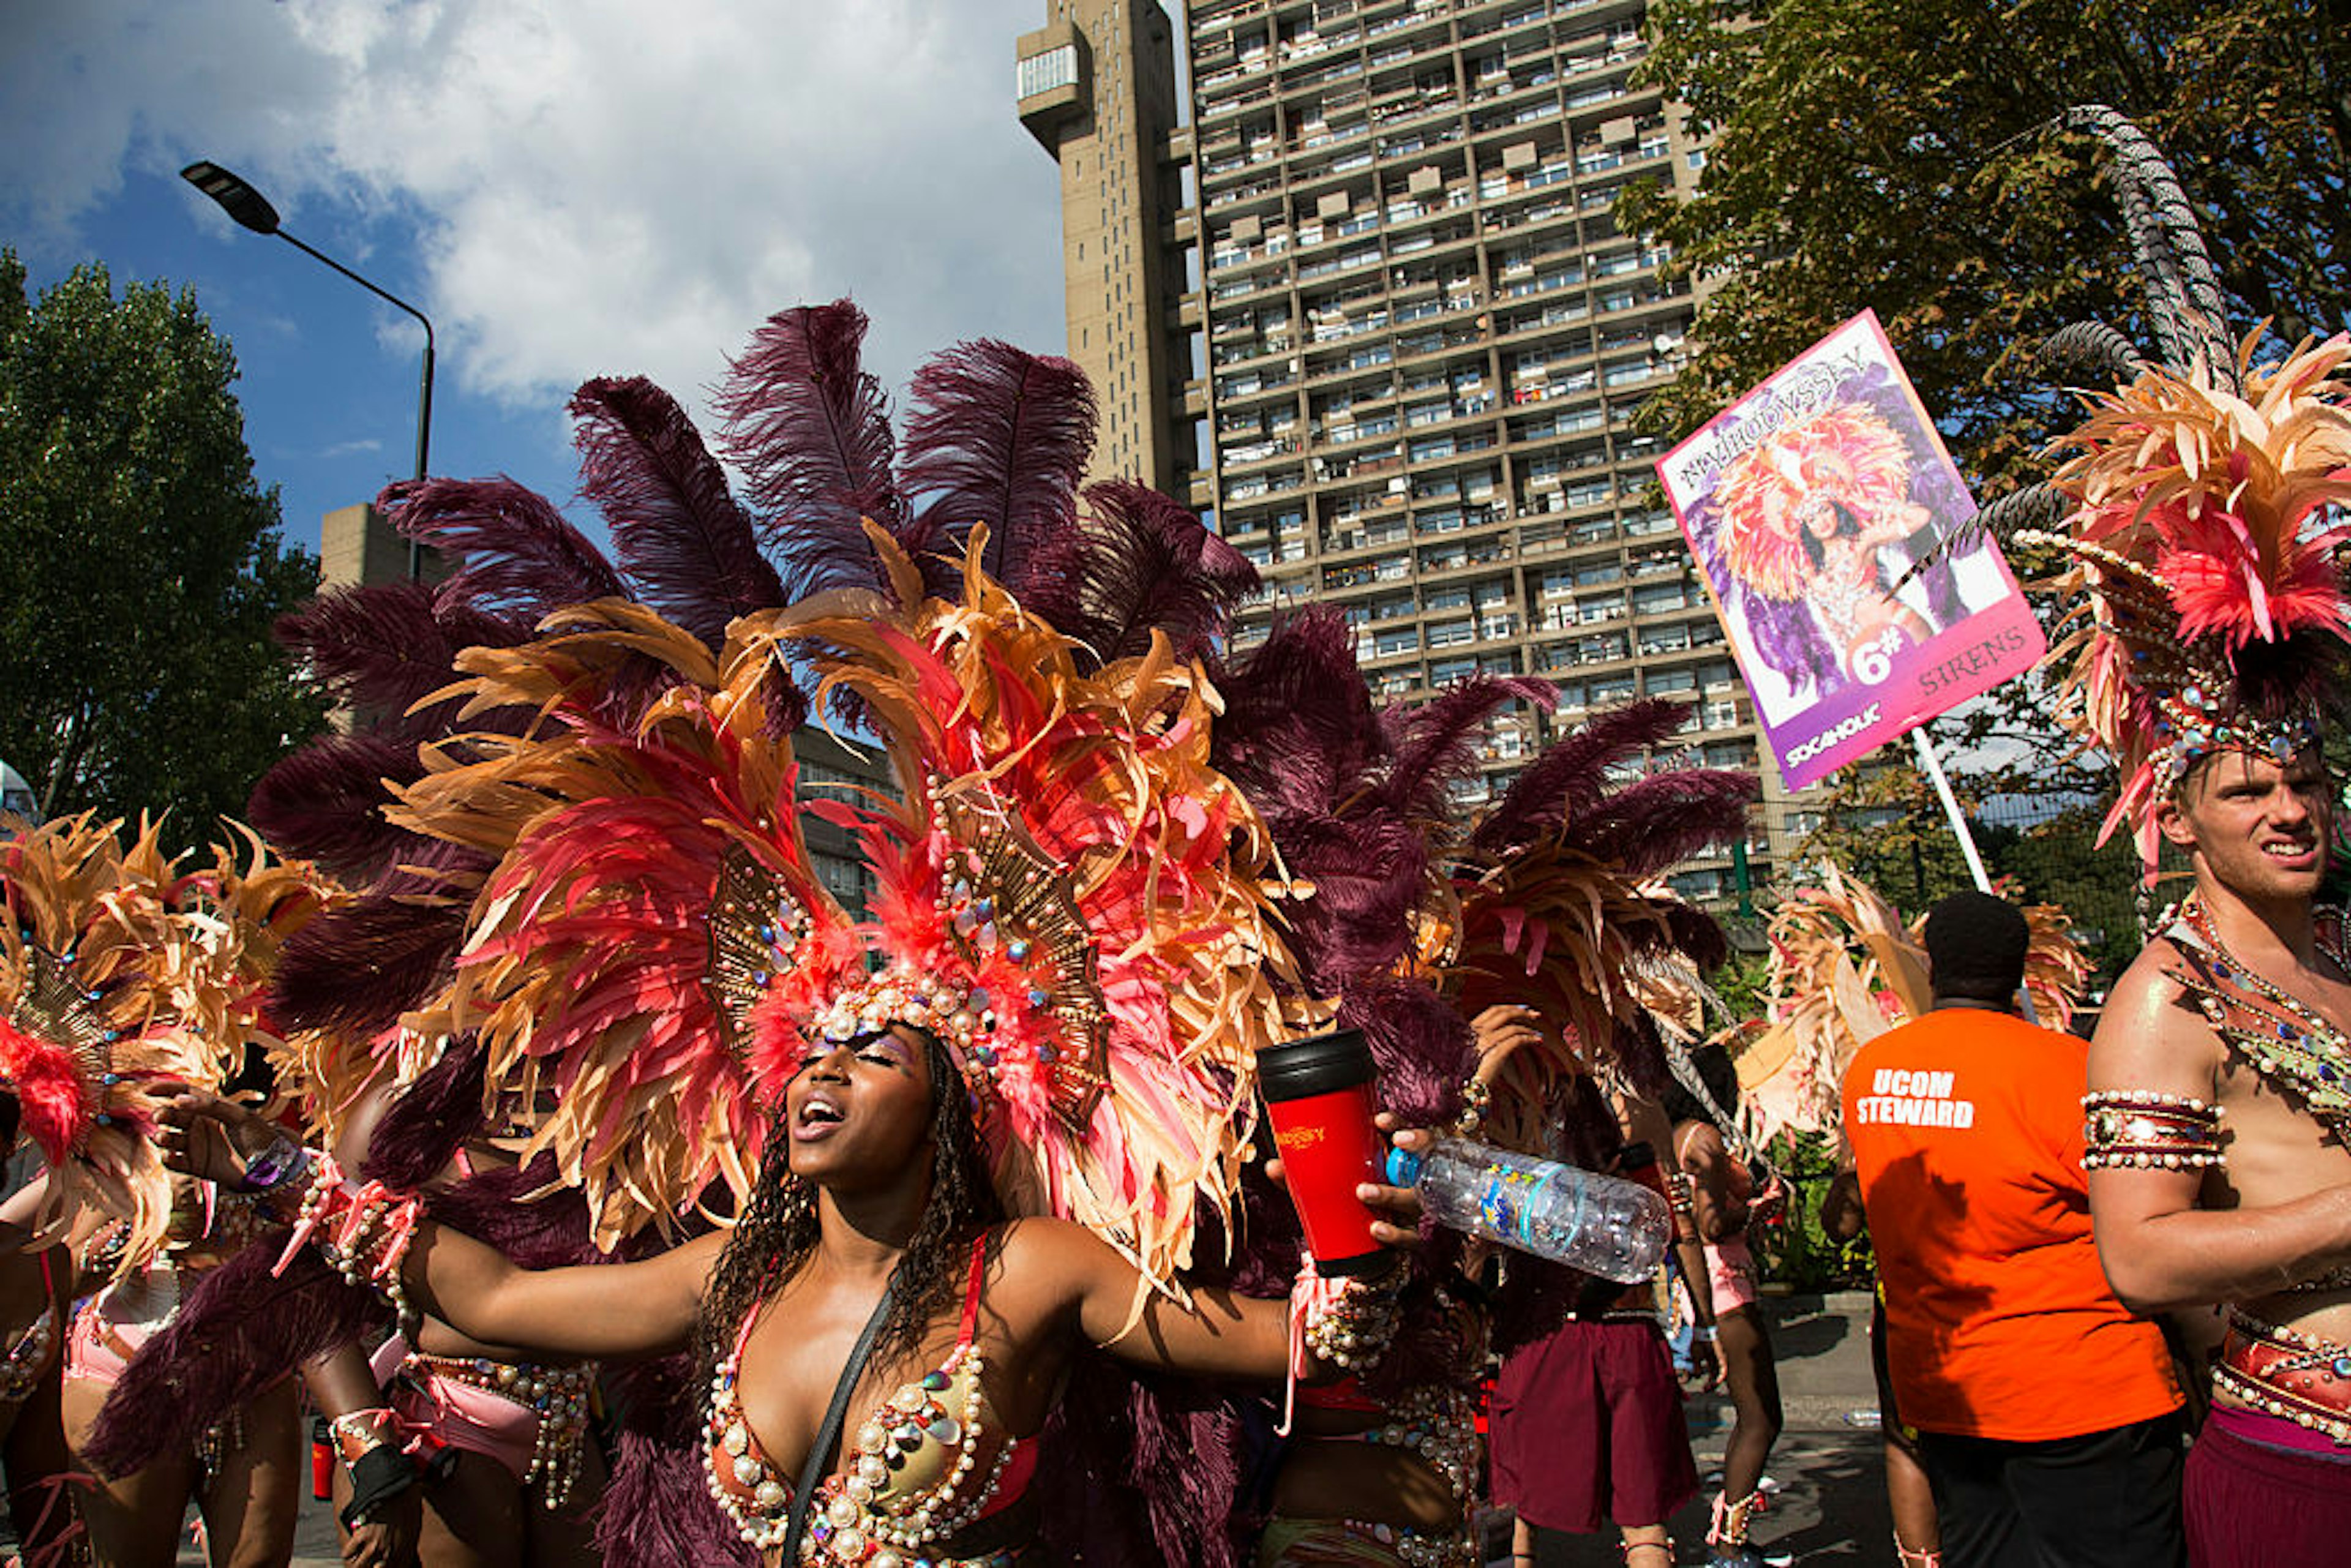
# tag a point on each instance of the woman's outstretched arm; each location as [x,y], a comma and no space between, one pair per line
[1220,1334]
[613,1312]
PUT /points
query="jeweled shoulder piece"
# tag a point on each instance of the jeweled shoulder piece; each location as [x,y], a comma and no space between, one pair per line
[2281,1037]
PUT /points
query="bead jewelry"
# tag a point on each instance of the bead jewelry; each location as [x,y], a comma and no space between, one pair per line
[356,1432]
[2147,1130]
[1353,1331]
[362,1232]
[2282,1038]
[1439,1425]
[1416,1548]
[21,1368]
[1477,1103]
[2259,1391]
[557,1395]
[855,1519]
[217,1442]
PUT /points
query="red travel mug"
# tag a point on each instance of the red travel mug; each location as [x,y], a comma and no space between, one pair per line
[1318,1094]
[322,1459]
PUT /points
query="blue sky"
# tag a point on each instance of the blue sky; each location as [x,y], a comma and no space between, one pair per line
[569,188]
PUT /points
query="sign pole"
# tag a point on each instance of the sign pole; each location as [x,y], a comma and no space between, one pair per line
[1927,760]
[1934,768]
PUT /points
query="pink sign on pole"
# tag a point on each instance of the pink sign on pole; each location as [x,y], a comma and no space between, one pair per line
[1805,502]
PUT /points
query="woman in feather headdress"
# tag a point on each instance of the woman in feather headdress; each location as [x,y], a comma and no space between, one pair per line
[1049,1007]
[1064,939]
[127,974]
[1435,930]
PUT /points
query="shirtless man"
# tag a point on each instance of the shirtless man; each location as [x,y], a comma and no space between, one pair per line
[2219,1172]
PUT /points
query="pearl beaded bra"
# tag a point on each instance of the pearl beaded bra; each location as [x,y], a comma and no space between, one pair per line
[909,1479]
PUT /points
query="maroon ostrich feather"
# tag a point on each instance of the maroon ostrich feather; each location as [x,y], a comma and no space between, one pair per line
[681,536]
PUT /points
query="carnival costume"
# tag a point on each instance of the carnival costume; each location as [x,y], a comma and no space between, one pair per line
[1092,895]
[2199,514]
[133,973]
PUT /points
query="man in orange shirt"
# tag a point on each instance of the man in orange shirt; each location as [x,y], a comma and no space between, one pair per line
[2048,1416]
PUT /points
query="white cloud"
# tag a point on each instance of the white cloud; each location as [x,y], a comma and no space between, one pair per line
[594,185]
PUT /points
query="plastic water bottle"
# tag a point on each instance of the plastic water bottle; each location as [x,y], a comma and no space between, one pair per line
[1599,1224]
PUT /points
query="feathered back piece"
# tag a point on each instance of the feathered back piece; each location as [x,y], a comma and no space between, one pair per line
[1845,967]
[1562,905]
[2205,609]
[106,993]
[1068,896]
[588,963]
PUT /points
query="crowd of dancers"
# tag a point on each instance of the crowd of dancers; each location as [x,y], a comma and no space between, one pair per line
[618,1185]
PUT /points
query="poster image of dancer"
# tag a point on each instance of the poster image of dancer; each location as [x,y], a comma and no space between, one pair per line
[1805,503]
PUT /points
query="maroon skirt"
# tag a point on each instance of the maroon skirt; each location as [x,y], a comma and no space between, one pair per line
[2247,1505]
[1587,1428]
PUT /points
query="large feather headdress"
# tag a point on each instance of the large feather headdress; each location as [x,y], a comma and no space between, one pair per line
[110,996]
[2205,603]
[1069,898]
[1844,969]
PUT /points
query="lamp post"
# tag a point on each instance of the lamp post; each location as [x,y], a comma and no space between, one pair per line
[252,210]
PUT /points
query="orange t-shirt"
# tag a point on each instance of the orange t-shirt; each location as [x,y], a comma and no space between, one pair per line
[1965,1128]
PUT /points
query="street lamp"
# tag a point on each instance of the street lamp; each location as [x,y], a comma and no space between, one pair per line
[251,209]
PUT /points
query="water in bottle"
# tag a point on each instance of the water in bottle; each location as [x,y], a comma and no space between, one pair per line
[1599,1224]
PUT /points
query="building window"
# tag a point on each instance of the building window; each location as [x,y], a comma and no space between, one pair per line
[1054,69]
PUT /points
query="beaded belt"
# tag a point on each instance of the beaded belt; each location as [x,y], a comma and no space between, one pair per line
[557,1395]
[2299,1378]
[29,1358]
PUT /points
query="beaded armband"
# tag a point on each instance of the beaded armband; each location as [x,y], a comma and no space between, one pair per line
[2150,1131]
[363,1232]
[1348,1322]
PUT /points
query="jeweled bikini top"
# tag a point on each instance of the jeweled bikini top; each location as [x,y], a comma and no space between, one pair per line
[909,1481]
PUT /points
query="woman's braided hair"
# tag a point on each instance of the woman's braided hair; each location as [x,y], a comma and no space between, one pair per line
[777,1231]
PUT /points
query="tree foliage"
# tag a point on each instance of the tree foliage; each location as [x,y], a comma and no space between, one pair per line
[1897,154]
[1891,154]
[140,566]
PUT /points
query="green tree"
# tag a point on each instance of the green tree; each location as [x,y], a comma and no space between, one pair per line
[1882,823]
[140,566]
[1888,154]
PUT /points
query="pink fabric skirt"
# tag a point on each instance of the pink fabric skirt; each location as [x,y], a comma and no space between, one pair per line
[448,1414]
[1730,1274]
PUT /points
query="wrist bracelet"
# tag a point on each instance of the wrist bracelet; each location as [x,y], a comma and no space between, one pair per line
[360,1433]
[1704,1332]
[1681,1194]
